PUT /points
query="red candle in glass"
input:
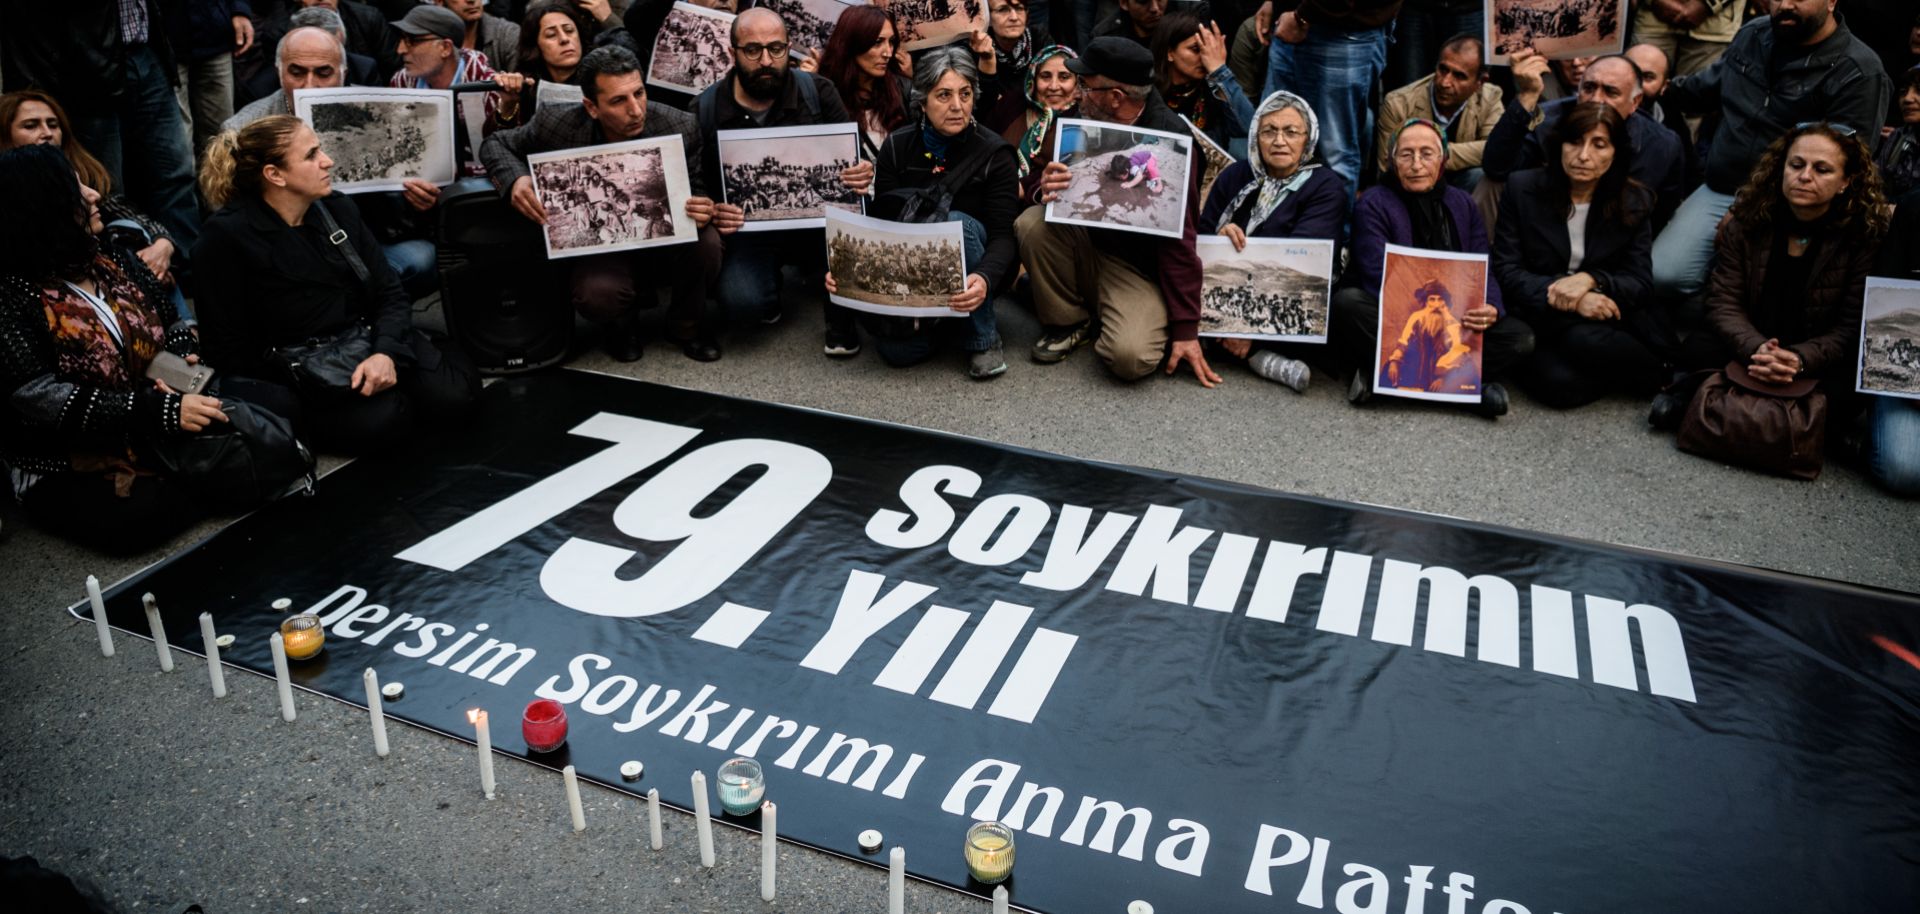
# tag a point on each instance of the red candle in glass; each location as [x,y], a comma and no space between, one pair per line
[544,725]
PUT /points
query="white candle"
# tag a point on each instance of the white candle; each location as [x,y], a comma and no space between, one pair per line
[375,711]
[769,841]
[214,671]
[897,881]
[653,818]
[573,798]
[484,740]
[281,676]
[159,633]
[999,899]
[100,616]
[702,819]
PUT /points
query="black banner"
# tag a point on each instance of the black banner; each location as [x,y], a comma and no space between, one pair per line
[1204,695]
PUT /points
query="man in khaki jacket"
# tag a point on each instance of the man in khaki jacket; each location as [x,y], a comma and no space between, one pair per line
[1456,96]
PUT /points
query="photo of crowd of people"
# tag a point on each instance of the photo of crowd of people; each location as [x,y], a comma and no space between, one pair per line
[1559,29]
[1127,178]
[613,198]
[786,177]
[378,138]
[1890,338]
[926,23]
[692,50]
[897,268]
[809,22]
[1425,351]
[1276,289]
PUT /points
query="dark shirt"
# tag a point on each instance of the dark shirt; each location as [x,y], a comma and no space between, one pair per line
[1381,218]
[1316,209]
[1658,161]
[569,127]
[790,109]
[991,195]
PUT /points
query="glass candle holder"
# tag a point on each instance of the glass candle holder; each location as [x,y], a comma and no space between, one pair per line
[989,852]
[303,636]
[544,725]
[741,784]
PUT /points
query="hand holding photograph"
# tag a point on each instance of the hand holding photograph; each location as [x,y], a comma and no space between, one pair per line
[1425,351]
[1560,29]
[1890,338]
[1126,178]
[692,50]
[617,197]
[1276,289]
[787,177]
[904,269]
[379,138]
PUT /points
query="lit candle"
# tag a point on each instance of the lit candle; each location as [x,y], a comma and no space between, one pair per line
[653,818]
[303,635]
[212,642]
[999,899]
[989,852]
[573,798]
[897,881]
[375,711]
[159,632]
[702,819]
[769,840]
[100,616]
[281,676]
[484,740]
[742,784]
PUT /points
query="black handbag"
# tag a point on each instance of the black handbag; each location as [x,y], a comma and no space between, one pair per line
[242,463]
[928,204]
[323,366]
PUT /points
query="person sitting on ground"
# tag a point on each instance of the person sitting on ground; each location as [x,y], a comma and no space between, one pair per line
[1790,271]
[78,327]
[926,155]
[1898,155]
[433,59]
[1413,207]
[1655,70]
[32,117]
[1458,97]
[1280,193]
[608,288]
[860,60]
[1798,65]
[762,90]
[1893,428]
[289,261]
[495,38]
[1572,254]
[1136,298]
[1190,70]
[1051,92]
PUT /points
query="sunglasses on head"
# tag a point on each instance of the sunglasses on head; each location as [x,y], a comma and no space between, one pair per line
[1841,129]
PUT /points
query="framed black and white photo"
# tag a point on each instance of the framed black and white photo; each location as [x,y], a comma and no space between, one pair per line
[1276,289]
[692,50]
[1890,338]
[1126,178]
[904,269]
[1559,29]
[380,138]
[931,23]
[617,197]
[787,177]
[809,22]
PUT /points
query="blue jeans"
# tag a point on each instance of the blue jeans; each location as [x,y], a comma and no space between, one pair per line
[144,146]
[1684,250]
[414,262]
[1893,450]
[1333,70]
[1417,37]
[977,332]
[749,286]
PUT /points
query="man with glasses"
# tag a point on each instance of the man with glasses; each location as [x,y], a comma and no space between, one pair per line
[431,58]
[1135,297]
[764,90]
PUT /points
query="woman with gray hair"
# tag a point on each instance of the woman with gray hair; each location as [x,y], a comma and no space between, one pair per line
[942,165]
[1277,193]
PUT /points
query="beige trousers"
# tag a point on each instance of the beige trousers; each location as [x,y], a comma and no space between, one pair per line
[1074,281]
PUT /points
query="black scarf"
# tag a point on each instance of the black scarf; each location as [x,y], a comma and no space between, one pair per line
[1432,224]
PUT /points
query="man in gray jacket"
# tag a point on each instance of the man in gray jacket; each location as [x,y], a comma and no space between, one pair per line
[1798,65]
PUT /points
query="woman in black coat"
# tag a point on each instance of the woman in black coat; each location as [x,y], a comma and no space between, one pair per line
[277,275]
[1572,254]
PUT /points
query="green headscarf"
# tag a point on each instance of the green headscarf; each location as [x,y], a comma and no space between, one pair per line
[1030,141]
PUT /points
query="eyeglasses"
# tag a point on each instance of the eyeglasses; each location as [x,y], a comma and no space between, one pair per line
[1409,156]
[1291,134]
[777,49]
[1841,129]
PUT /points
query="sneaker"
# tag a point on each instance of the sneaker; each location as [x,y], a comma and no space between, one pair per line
[1056,343]
[1275,367]
[989,363]
[1493,402]
[1359,391]
[842,342]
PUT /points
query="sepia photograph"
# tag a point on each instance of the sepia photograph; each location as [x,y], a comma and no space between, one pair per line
[809,22]
[1126,178]
[1276,289]
[787,177]
[617,197]
[1560,29]
[1890,338]
[904,269]
[379,138]
[692,50]
[1425,351]
[931,23]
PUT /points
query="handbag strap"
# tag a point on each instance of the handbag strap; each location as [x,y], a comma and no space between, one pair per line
[338,237]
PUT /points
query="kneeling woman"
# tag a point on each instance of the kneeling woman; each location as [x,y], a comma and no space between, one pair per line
[78,328]
[945,151]
[290,273]
[1572,254]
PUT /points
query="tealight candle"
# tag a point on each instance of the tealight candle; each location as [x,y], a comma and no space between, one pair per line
[989,852]
[303,636]
[741,785]
[100,616]
[544,725]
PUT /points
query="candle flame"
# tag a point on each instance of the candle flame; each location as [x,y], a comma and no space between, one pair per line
[475,716]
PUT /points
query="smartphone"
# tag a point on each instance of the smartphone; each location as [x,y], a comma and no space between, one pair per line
[177,374]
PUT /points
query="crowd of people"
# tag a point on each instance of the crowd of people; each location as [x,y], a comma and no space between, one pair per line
[1715,197]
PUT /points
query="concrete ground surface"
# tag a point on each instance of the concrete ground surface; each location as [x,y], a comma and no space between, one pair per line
[140,784]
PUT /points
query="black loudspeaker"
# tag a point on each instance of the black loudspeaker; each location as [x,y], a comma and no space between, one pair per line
[502,302]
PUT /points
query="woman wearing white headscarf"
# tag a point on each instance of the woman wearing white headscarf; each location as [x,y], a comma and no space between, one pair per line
[1277,192]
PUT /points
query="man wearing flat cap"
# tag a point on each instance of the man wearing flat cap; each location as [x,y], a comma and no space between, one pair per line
[1135,297]
[432,58]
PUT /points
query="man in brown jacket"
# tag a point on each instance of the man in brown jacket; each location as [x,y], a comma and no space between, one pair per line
[1456,96]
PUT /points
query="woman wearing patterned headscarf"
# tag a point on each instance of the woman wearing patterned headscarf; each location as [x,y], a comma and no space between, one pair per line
[1051,92]
[1277,193]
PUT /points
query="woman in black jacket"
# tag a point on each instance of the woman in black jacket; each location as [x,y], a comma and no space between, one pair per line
[943,144]
[288,263]
[1572,254]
